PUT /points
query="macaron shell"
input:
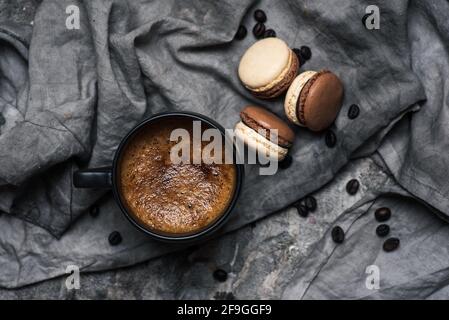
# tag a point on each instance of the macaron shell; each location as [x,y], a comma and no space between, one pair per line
[257,117]
[263,62]
[323,101]
[259,143]
[293,94]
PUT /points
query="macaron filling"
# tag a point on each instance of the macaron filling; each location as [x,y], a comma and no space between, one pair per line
[293,94]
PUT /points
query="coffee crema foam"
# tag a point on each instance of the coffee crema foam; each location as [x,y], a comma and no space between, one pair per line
[172,198]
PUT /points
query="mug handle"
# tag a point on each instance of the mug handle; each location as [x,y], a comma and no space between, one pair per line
[93,178]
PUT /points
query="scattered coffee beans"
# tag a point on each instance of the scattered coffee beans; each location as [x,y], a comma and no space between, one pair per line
[94,211]
[338,235]
[306,53]
[391,244]
[115,238]
[286,163]
[220,275]
[260,16]
[353,111]
[269,33]
[352,186]
[302,209]
[241,33]
[382,214]
[382,230]
[310,203]
[330,139]
[259,30]
[2,119]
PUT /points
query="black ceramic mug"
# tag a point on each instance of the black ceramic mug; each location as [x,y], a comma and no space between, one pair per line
[108,178]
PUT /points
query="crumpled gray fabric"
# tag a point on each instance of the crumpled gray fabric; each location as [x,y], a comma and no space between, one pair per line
[69,96]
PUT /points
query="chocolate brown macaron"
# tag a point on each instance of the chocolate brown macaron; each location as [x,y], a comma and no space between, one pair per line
[265,132]
[314,99]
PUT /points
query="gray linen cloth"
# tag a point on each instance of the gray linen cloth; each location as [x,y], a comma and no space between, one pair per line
[69,96]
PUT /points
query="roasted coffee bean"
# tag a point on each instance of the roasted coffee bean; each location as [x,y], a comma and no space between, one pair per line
[94,211]
[391,244]
[115,238]
[338,235]
[260,16]
[259,30]
[269,33]
[382,230]
[310,203]
[298,55]
[330,139]
[306,53]
[302,209]
[382,214]
[297,52]
[353,111]
[2,119]
[352,186]
[284,164]
[220,275]
[241,33]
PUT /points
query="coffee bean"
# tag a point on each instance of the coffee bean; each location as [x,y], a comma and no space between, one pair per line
[94,211]
[352,186]
[2,119]
[241,33]
[330,139]
[260,16]
[338,235]
[391,244]
[353,111]
[382,230]
[302,209]
[306,53]
[115,238]
[259,30]
[220,275]
[298,55]
[310,203]
[297,52]
[382,214]
[286,163]
[269,33]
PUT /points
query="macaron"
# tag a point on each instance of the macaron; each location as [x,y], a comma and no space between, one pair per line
[268,68]
[256,129]
[314,99]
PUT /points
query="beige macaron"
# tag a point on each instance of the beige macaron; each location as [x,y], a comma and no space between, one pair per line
[268,68]
[314,99]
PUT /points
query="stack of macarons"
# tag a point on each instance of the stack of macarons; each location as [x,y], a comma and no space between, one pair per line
[268,69]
